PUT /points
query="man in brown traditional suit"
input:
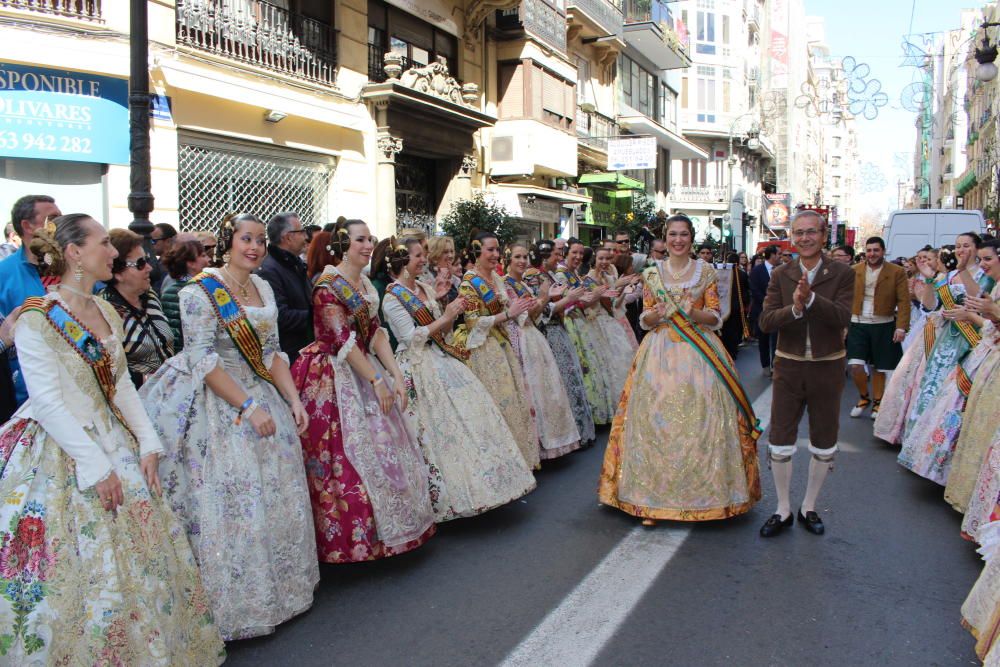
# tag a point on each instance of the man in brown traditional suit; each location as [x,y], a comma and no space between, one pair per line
[808,304]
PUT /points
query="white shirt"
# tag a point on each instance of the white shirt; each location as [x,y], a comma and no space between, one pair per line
[868,315]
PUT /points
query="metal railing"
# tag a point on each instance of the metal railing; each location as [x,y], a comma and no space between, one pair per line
[260,34]
[376,64]
[594,129]
[699,194]
[607,13]
[646,11]
[88,10]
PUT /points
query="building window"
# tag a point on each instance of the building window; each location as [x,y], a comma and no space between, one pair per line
[638,87]
[391,30]
[527,90]
[218,177]
[706,33]
[694,173]
[705,102]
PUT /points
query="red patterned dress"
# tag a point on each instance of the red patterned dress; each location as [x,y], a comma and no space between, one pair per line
[367,478]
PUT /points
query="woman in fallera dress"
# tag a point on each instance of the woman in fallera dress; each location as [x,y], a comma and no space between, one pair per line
[229,418]
[544,260]
[557,429]
[590,343]
[619,347]
[367,476]
[472,459]
[939,427]
[683,443]
[953,342]
[95,568]
[904,382]
[491,355]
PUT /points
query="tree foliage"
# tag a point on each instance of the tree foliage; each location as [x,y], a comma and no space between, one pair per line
[477,214]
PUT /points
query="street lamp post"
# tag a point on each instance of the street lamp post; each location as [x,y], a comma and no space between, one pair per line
[753,142]
[140,197]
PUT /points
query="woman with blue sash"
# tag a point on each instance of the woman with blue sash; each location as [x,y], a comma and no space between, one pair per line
[545,259]
[472,459]
[592,347]
[557,429]
[367,476]
[683,444]
[229,418]
[492,356]
[94,567]
[924,449]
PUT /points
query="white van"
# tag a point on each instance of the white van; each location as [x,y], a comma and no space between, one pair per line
[910,230]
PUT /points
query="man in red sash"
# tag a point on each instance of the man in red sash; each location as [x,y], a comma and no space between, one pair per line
[808,305]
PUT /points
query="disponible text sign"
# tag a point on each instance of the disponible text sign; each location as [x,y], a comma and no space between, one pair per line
[61,115]
[632,153]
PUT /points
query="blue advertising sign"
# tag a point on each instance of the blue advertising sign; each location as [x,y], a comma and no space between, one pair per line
[52,114]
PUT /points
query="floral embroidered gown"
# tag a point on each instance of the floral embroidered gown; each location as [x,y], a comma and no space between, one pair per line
[80,585]
[905,380]
[680,446]
[619,350]
[591,349]
[567,361]
[242,497]
[949,351]
[494,360]
[981,609]
[367,476]
[473,461]
[935,435]
[557,429]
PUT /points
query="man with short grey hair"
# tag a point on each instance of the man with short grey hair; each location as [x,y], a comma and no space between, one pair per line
[286,273]
[808,306]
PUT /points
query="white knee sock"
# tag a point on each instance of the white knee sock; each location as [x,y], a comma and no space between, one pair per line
[782,473]
[818,471]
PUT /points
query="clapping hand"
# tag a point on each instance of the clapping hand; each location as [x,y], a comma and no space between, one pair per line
[519,306]
[802,293]
[960,314]
[7,328]
[454,309]
[984,306]
[925,267]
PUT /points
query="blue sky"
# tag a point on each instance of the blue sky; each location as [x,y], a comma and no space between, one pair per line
[872,31]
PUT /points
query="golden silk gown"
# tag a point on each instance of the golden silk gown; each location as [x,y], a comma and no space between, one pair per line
[679,448]
[494,360]
[981,609]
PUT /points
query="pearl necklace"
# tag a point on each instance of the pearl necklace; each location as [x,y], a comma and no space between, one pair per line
[244,288]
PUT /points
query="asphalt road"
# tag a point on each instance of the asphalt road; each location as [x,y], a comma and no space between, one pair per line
[883,587]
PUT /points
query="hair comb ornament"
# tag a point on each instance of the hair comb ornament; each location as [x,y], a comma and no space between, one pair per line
[50,226]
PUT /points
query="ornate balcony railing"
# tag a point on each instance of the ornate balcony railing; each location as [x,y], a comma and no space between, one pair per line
[594,129]
[260,34]
[607,13]
[376,64]
[699,194]
[88,10]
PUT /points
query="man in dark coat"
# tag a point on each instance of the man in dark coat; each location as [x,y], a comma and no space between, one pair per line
[760,276]
[286,273]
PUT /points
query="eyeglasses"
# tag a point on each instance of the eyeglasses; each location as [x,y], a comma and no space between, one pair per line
[805,232]
[138,264]
[786,254]
[296,231]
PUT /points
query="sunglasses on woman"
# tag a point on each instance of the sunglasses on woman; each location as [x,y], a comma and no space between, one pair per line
[138,264]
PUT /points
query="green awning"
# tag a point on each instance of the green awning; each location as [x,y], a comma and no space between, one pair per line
[967,183]
[610,180]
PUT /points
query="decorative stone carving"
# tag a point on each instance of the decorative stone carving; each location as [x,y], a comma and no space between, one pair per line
[469,163]
[435,80]
[388,147]
[393,65]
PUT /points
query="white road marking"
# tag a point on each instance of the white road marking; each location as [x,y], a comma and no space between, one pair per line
[762,407]
[573,634]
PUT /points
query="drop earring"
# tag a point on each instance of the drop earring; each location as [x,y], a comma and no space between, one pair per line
[78,273]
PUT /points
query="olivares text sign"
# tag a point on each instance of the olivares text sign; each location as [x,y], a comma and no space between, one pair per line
[52,114]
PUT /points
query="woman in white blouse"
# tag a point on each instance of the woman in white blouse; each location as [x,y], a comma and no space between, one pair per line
[473,460]
[94,567]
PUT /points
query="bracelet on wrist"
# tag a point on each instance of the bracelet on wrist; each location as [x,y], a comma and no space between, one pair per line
[246,409]
[375,380]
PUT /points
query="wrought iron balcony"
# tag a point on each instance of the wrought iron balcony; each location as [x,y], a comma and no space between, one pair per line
[260,34]
[593,129]
[706,194]
[376,64]
[537,17]
[87,10]
[605,13]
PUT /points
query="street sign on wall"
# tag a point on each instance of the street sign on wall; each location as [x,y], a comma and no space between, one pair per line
[52,114]
[632,153]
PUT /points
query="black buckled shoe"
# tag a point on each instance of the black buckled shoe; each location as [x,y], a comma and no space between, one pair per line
[811,522]
[775,525]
